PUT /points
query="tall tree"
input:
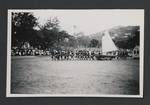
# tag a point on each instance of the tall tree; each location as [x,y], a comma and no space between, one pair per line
[51,35]
[23,24]
[94,43]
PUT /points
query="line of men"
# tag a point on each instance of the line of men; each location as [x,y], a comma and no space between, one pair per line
[74,55]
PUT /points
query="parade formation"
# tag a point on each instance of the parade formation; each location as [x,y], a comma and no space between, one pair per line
[77,55]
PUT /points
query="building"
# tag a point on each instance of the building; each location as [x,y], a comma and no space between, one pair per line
[136,52]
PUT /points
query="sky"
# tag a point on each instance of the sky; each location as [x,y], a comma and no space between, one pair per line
[91,21]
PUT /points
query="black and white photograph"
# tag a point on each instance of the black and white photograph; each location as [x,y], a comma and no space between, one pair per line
[75,53]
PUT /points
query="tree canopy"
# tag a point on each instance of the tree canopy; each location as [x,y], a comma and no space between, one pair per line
[23,27]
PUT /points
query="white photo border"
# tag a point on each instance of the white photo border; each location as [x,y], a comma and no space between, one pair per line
[8,77]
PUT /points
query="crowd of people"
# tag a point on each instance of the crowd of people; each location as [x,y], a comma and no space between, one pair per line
[29,52]
[76,54]
[73,55]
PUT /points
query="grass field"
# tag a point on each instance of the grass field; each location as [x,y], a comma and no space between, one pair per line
[40,75]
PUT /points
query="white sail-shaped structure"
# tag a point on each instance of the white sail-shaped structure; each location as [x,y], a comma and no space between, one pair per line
[107,43]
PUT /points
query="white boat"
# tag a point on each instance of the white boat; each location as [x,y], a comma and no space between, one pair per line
[109,49]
